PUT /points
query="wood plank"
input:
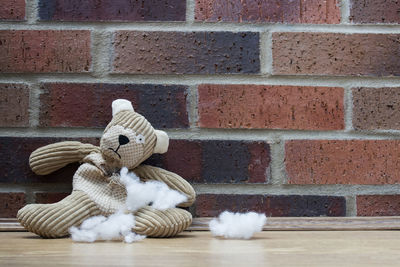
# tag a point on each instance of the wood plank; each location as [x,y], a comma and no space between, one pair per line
[281,224]
[199,248]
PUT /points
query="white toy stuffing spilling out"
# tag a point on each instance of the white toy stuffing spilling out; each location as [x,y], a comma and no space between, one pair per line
[119,225]
[237,225]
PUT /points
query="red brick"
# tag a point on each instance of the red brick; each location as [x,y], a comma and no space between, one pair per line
[374,11]
[117,10]
[298,11]
[211,205]
[271,107]
[14,160]
[63,104]
[336,54]
[378,205]
[47,198]
[217,161]
[12,10]
[343,161]
[14,105]
[44,51]
[376,108]
[186,52]
[10,204]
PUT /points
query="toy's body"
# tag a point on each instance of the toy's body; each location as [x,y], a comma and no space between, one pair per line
[127,141]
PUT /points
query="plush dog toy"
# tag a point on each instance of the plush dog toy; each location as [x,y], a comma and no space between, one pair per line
[128,140]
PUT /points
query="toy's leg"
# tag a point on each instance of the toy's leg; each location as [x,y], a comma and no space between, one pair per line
[157,223]
[54,220]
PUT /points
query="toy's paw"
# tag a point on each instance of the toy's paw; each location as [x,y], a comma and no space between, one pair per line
[54,220]
[161,223]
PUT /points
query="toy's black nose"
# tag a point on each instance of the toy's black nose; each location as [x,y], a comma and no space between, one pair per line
[123,140]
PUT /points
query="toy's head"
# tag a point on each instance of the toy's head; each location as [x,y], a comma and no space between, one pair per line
[129,139]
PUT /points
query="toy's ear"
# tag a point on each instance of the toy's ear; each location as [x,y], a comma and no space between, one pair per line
[120,105]
[162,142]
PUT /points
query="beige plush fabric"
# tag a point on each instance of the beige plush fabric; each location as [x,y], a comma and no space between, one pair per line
[128,140]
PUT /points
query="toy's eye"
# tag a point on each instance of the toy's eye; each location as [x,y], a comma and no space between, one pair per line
[140,139]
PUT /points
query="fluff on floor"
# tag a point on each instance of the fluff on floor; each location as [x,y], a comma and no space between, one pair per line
[119,225]
[237,225]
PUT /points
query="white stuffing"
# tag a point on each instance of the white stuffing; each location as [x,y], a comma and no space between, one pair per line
[119,225]
[237,225]
[140,194]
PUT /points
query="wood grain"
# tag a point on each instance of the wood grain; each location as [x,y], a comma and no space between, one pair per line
[199,248]
[282,224]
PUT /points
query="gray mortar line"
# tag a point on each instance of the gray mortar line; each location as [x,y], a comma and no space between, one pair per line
[213,134]
[277,165]
[265,54]
[206,26]
[192,106]
[101,52]
[193,79]
[320,190]
[190,11]
[345,11]
[351,206]
[348,109]
[31,11]
[34,104]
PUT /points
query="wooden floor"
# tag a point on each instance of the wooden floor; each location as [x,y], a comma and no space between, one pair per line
[199,248]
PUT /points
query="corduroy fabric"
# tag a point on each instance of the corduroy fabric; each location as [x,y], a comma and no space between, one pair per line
[52,157]
[54,220]
[157,223]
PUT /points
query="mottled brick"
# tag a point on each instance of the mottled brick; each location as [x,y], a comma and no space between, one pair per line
[211,205]
[115,10]
[44,51]
[12,10]
[270,107]
[186,52]
[376,108]
[10,203]
[163,105]
[378,205]
[14,105]
[343,161]
[336,54]
[14,160]
[217,161]
[374,11]
[47,198]
[297,11]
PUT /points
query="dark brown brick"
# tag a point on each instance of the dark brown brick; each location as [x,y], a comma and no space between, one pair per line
[343,161]
[374,11]
[297,11]
[64,104]
[217,161]
[376,108]
[14,105]
[270,107]
[336,54]
[44,51]
[117,10]
[14,160]
[378,205]
[47,198]
[11,203]
[211,205]
[12,10]
[186,52]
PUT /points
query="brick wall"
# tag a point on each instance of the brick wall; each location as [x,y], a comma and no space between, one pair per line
[285,107]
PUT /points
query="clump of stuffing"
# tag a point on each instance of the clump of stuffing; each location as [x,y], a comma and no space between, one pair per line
[140,194]
[237,225]
[119,225]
